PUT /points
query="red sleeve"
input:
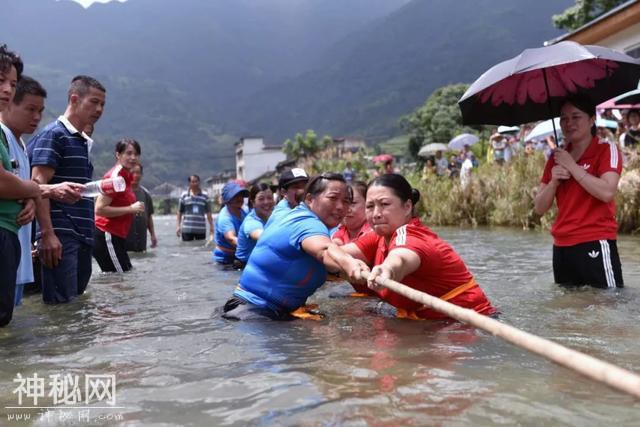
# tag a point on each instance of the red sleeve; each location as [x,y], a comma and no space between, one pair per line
[610,160]
[341,234]
[368,244]
[413,239]
[546,175]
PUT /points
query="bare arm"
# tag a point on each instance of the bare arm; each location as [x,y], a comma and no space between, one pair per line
[152,231]
[397,265]
[49,249]
[104,208]
[602,188]
[66,192]
[210,221]
[255,234]
[333,257]
[14,188]
[547,192]
[178,222]
[231,238]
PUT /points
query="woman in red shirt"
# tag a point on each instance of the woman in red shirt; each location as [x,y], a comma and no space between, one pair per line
[353,226]
[355,223]
[403,249]
[583,180]
[114,213]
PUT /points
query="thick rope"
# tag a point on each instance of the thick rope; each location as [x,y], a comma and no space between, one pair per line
[596,369]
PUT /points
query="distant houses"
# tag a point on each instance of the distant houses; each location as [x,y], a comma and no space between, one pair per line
[254,158]
[256,161]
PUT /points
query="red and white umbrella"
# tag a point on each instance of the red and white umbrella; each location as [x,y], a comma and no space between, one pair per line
[533,85]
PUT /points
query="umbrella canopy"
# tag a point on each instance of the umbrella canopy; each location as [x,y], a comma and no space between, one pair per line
[382,158]
[543,130]
[533,85]
[631,97]
[508,129]
[604,123]
[461,140]
[431,149]
[610,104]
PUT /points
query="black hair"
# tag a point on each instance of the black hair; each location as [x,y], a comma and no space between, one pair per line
[122,145]
[28,86]
[8,59]
[583,103]
[633,111]
[193,176]
[360,187]
[317,184]
[81,84]
[255,189]
[399,185]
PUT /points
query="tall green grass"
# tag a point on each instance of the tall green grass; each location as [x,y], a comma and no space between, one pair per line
[504,195]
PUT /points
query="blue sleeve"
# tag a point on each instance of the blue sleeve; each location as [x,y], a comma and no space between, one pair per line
[45,149]
[306,227]
[181,205]
[225,223]
[250,225]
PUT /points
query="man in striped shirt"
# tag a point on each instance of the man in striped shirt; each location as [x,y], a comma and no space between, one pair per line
[60,152]
[192,209]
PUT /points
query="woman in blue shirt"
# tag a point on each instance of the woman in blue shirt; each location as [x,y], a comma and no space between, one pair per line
[228,222]
[288,263]
[261,201]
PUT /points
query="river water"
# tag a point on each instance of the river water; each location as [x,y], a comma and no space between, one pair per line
[156,332]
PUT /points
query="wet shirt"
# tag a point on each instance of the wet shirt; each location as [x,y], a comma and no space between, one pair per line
[582,217]
[282,208]
[9,209]
[23,170]
[225,222]
[137,237]
[118,225]
[279,274]
[193,208]
[441,269]
[343,234]
[63,148]
[251,223]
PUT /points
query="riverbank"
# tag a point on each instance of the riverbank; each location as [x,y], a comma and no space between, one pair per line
[503,196]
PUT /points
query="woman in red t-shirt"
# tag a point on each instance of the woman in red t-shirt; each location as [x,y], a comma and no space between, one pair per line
[114,213]
[403,249]
[583,180]
[353,226]
[355,223]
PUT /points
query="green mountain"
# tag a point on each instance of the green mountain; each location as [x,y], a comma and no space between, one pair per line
[187,77]
[389,68]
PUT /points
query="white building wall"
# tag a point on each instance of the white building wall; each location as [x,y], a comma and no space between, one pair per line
[624,40]
[255,160]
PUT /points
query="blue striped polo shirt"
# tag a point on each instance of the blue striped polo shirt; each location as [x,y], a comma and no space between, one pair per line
[60,146]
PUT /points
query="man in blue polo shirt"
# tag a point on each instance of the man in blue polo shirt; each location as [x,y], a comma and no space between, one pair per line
[60,152]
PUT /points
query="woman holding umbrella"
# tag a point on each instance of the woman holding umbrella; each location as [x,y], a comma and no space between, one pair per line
[583,180]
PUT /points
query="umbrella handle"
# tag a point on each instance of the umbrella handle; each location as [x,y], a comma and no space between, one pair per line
[553,123]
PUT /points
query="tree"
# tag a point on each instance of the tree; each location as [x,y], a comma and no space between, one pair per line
[583,12]
[306,145]
[438,120]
